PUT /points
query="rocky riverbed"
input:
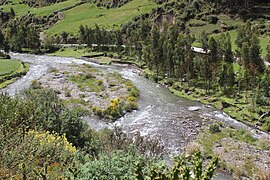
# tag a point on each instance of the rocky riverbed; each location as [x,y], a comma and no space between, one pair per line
[89,88]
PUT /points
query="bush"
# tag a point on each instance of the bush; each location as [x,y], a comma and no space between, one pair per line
[37,154]
[214,128]
[97,111]
[99,82]
[212,19]
[133,91]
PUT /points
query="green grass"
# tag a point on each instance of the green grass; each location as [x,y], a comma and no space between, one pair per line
[77,53]
[89,14]
[104,60]
[22,9]
[74,52]
[264,41]
[88,82]
[8,66]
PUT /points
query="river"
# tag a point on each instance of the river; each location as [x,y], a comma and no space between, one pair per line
[173,120]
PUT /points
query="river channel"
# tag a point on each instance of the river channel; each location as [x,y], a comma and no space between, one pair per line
[174,121]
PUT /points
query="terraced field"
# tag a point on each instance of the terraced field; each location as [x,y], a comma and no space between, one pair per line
[89,14]
[22,9]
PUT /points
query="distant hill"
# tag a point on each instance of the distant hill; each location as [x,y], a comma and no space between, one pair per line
[56,16]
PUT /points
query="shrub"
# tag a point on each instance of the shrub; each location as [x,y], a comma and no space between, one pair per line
[212,19]
[99,82]
[87,76]
[35,84]
[214,128]
[97,111]
[133,91]
[38,153]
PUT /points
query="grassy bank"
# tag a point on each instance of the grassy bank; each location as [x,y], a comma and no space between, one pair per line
[11,70]
[240,107]
[74,52]
[79,52]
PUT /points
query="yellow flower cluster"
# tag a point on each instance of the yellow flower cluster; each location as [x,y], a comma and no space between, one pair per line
[131,98]
[47,138]
[114,103]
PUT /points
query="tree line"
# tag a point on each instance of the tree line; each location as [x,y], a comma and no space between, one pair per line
[17,38]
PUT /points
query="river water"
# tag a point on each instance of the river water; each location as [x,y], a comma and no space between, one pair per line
[162,115]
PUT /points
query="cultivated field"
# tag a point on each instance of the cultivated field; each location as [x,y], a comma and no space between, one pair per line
[90,14]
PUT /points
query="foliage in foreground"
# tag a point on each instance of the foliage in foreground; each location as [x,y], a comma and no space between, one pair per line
[132,166]
[41,138]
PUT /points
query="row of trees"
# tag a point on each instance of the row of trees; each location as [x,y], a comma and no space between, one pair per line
[15,38]
[100,37]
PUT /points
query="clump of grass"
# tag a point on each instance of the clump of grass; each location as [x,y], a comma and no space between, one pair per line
[67,92]
[35,84]
[87,82]
[193,147]
[53,70]
[214,128]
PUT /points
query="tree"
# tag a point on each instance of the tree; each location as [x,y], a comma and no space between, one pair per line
[254,55]
[33,39]
[64,37]
[267,57]
[179,55]
[228,54]
[15,44]
[2,40]
[12,13]
[82,34]
[119,41]
[154,37]
[204,40]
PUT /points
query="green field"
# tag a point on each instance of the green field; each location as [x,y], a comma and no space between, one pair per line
[8,66]
[10,70]
[22,9]
[89,14]
[264,41]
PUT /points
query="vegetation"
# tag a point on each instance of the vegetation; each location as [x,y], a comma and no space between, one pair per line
[8,66]
[10,70]
[75,52]
[40,3]
[118,16]
[169,56]
[228,141]
[21,9]
[230,72]
[41,138]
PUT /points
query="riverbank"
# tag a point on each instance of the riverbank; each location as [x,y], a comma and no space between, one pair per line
[240,106]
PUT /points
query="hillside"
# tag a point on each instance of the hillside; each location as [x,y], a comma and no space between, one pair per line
[89,14]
